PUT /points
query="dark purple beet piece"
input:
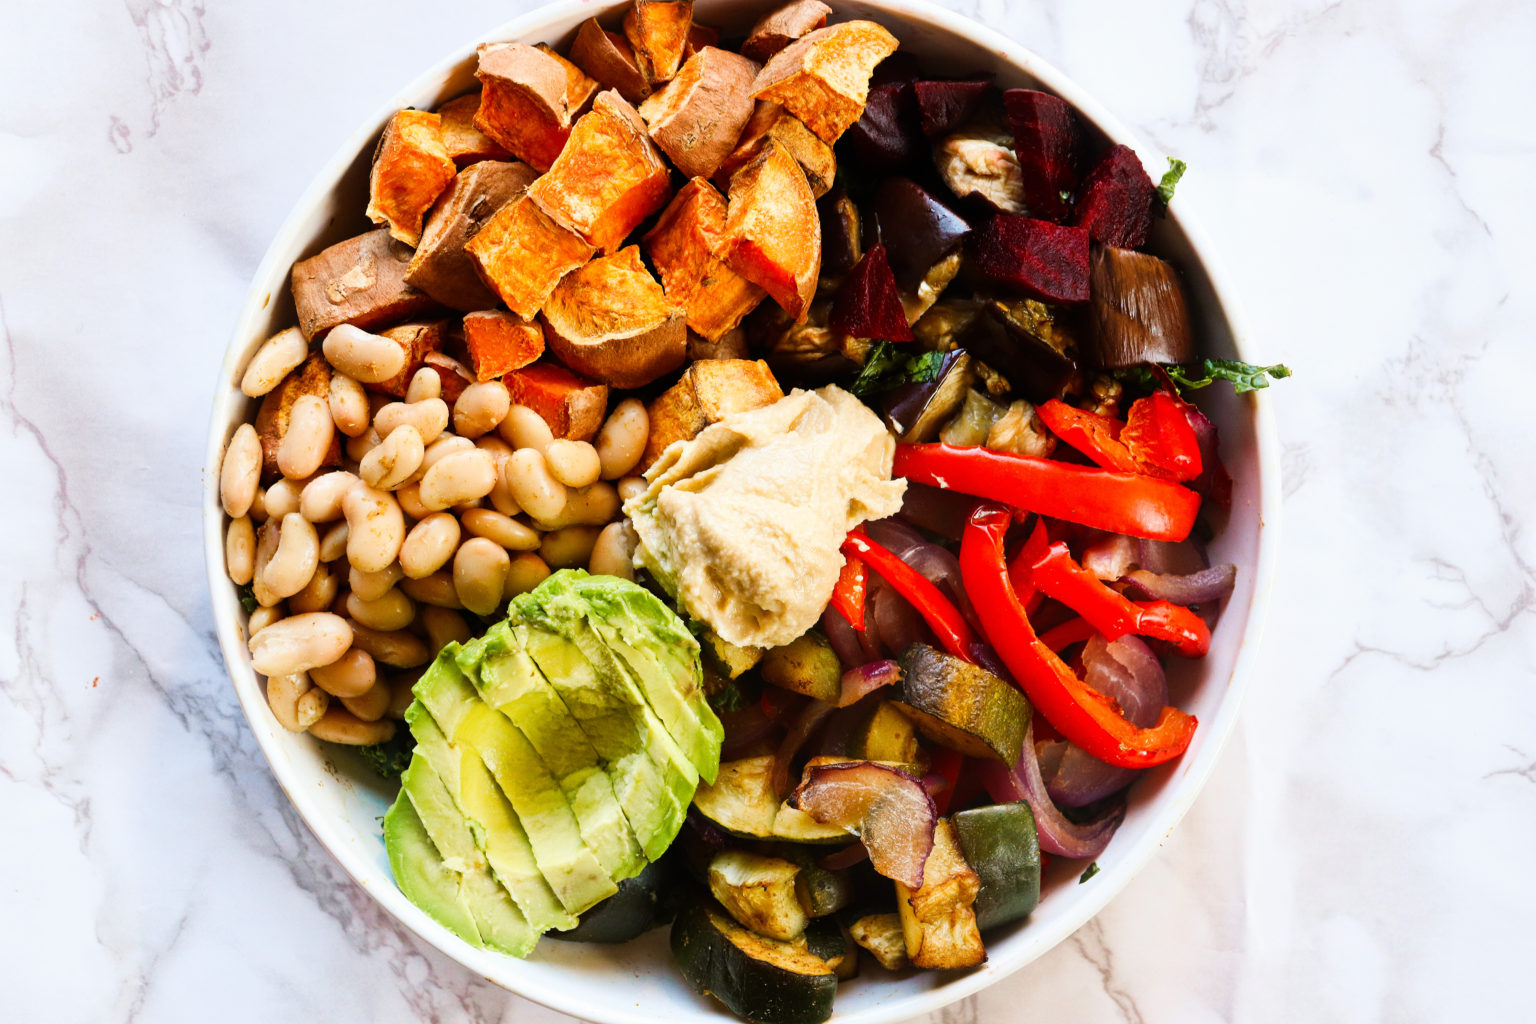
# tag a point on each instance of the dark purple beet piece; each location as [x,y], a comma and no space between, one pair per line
[1034,258]
[1031,366]
[917,230]
[1115,202]
[867,305]
[900,66]
[888,136]
[945,106]
[1045,139]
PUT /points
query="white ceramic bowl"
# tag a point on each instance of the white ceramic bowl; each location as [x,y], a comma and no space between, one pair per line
[341,800]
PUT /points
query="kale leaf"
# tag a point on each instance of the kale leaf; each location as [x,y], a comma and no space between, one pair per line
[889,368]
[391,757]
[1244,377]
[1088,872]
[1176,169]
[247,598]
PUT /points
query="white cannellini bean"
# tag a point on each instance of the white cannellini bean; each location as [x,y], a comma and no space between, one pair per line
[621,441]
[443,447]
[371,586]
[500,497]
[435,590]
[300,643]
[480,408]
[298,554]
[533,487]
[320,501]
[391,610]
[351,675]
[614,552]
[444,626]
[596,505]
[283,497]
[429,545]
[392,463]
[429,416]
[258,511]
[480,574]
[401,693]
[358,447]
[527,571]
[369,358]
[308,438]
[263,617]
[568,547]
[266,547]
[283,695]
[333,543]
[240,473]
[240,550]
[632,487]
[391,647]
[409,497]
[425,383]
[370,705]
[457,478]
[524,428]
[573,463]
[338,725]
[375,527]
[319,593]
[504,530]
[279,354]
[349,405]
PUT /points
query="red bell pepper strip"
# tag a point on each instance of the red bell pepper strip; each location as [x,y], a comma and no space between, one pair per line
[1140,506]
[1073,631]
[1160,438]
[946,765]
[1080,713]
[1020,570]
[937,610]
[848,595]
[1096,436]
[1112,613]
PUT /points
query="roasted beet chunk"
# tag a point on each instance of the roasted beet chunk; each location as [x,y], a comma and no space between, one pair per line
[867,305]
[901,66]
[1034,258]
[1032,367]
[917,230]
[945,106]
[888,136]
[1045,138]
[1115,202]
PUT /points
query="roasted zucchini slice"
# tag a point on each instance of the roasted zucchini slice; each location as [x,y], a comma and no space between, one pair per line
[805,665]
[822,892]
[631,911]
[886,735]
[742,801]
[759,892]
[760,980]
[937,920]
[961,706]
[830,941]
[1001,845]
[881,934]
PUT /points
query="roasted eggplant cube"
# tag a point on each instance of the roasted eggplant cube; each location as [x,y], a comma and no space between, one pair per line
[1032,367]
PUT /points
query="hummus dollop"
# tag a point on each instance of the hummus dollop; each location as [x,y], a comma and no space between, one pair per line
[743,523]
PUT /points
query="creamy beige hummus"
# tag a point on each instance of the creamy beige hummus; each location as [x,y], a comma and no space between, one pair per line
[743,523]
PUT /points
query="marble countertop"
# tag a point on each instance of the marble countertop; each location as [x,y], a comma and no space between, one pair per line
[1365,167]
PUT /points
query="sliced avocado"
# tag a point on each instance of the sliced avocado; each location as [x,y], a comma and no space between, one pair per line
[490,819]
[611,618]
[419,871]
[571,869]
[509,681]
[498,922]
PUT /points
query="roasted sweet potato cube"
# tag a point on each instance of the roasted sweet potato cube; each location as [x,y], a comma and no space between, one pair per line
[454,375]
[608,57]
[782,26]
[464,143]
[580,87]
[417,339]
[411,168]
[773,234]
[611,321]
[700,36]
[311,377]
[500,342]
[441,267]
[708,391]
[573,406]
[683,247]
[359,281]
[722,301]
[522,254]
[609,178]
[771,121]
[658,30]
[522,102]
[823,78]
[730,345]
[697,117]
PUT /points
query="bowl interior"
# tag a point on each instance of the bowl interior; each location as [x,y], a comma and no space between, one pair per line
[342,801]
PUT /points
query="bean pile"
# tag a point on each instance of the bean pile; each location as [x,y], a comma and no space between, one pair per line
[362,573]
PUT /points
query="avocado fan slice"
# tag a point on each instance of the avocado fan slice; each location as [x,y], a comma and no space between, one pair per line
[419,871]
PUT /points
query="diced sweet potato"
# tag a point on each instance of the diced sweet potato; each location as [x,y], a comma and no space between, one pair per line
[697,117]
[523,102]
[311,377]
[454,375]
[658,30]
[782,26]
[684,247]
[611,321]
[441,267]
[700,36]
[608,57]
[417,340]
[522,254]
[771,121]
[707,392]
[609,178]
[464,143]
[411,168]
[773,235]
[580,87]
[360,281]
[823,78]
[500,342]
[731,345]
[572,406]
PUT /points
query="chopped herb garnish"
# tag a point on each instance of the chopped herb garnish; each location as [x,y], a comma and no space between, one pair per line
[889,368]
[1245,377]
[728,698]
[391,757]
[248,598]
[1176,169]
[1088,872]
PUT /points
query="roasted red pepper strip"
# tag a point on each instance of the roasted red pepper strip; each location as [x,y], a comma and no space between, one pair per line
[1160,438]
[1020,570]
[848,595]
[1057,575]
[1140,506]
[1073,631]
[937,610]
[946,765]
[1096,436]
[1079,712]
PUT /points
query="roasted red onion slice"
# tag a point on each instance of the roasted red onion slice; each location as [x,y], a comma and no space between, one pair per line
[800,729]
[894,621]
[1163,557]
[843,638]
[744,728]
[1058,836]
[933,508]
[866,679]
[1205,587]
[1110,557]
[885,807]
[847,857]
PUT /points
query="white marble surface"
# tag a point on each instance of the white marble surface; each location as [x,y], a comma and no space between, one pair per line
[1362,853]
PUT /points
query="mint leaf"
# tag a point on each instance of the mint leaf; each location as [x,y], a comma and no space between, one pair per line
[1244,377]
[1176,169]
[1088,872]
[889,368]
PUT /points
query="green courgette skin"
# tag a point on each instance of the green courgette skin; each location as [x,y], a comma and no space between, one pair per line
[631,911]
[754,990]
[960,705]
[823,892]
[1000,844]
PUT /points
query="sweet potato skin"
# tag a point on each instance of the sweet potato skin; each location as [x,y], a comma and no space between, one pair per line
[658,30]
[499,342]
[708,391]
[823,78]
[523,102]
[464,143]
[608,58]
[697,117]
[773,232]
[522,254]
[573,406]
[782,26]
[441,267]
[580,87]
[311,377]
[417,339]
[358,281]
[452,374]
[611,321]
[411,167]
[684,247]
[772,121]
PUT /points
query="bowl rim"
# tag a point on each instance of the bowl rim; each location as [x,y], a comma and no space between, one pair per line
[1112,881]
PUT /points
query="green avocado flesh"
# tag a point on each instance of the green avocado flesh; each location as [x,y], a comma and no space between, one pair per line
[555,757]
